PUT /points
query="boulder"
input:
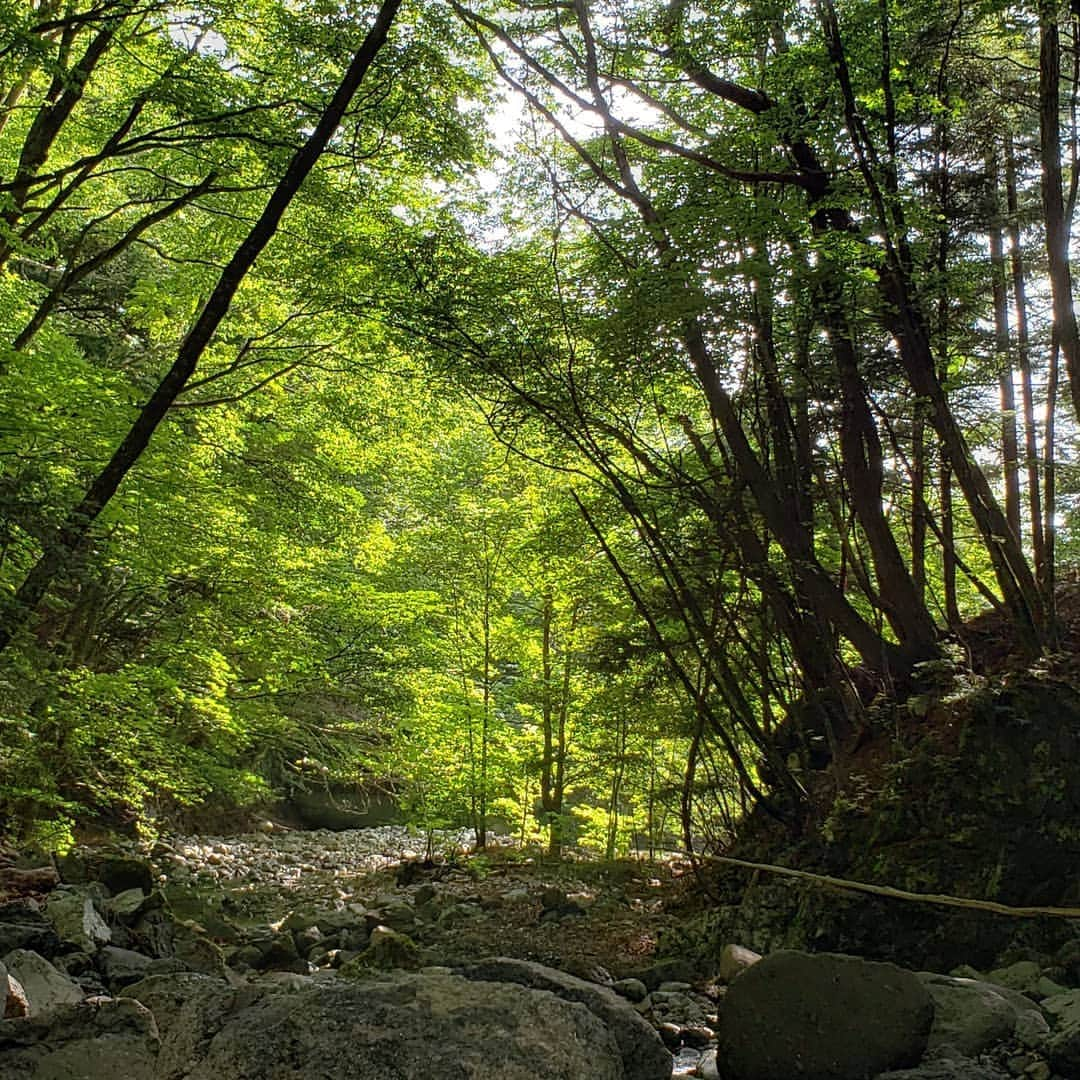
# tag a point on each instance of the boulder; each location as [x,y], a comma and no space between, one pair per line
[971,1016]
[822,1017]
[45,987]
[76,920]
[1024,976]
[402,1025]
[126,906]
[121,967]
[106,1037]
[119,873]
[733,961]
[29,931]
[959,1069]
[1063,1045]
[643,1054]
[190,1008]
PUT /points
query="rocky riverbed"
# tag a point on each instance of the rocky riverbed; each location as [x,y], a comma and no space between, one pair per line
[380,953]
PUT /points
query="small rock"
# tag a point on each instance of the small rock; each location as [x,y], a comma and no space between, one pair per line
[707,1067]
[698,1038]
[733,961]
[674,987]
[16,1004]
[127,905]
[386,949]
[671,1034]
[631,989]
[122,967]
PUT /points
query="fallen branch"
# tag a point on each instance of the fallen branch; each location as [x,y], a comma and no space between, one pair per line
[940,899]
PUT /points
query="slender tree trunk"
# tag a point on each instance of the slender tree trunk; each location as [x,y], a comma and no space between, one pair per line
[63,545]
[1010,463]
[1023,357]
[1049,584]
[1066,332]
[918,500]
[547,713]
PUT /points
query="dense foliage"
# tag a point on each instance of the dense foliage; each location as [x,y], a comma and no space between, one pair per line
[565,416]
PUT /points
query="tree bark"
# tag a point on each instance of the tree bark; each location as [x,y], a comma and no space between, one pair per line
[1010,462]
[1066,331]
[1023,358]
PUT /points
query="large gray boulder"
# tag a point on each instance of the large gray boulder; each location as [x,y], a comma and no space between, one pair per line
[411,1027]
[393,1027]
[971,1016]
[644,1055]
[190,1009]
[822,1017]
[107,1037]
[44,986]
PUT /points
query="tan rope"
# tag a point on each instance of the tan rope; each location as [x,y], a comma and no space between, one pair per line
[940,899]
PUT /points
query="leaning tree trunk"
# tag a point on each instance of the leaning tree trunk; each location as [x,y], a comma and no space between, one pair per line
[62,545]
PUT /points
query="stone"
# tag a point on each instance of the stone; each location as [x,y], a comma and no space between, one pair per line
[397,915]
[386,949]
[958,1069]
[631,989]
[707,1066]
[119,873]
[76,921]
[44,986]
[37,936]
[1024,976]
[189,1008]
[15,1001]
[670,1035]
[1063,1045]
[822,1017]
[733,961]
[1045,988]
[363,1030]
[126,906]
[971,1016]
[643,1054]
[106,1037]
[307,939]
[197,952]
[698,1038]
[121,967]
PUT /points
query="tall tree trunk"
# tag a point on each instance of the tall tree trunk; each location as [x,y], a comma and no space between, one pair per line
[1010,463]
[1023,359]
[65,542]
[1066,331]
[1049,583]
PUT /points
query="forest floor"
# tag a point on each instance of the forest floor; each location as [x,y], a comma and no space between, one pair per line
[581,915]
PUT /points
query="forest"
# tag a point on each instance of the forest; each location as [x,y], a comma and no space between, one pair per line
[568,419]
